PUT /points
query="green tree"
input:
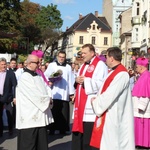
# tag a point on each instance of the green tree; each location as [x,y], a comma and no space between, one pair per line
[29,24]
[49,17]
[30,32]
[9,15]
[41,24]
[49,21]
[9,22]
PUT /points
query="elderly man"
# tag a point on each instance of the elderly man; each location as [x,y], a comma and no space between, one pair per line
[141,101]
[8,83]
[33,114]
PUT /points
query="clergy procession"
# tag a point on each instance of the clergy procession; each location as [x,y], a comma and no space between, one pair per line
[111,108]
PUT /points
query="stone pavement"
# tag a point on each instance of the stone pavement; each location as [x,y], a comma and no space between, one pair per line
[56,142]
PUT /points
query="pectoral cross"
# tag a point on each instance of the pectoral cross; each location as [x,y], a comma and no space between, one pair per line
[34,117]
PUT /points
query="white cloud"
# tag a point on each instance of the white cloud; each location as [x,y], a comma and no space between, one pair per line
[63,1]
[69,17]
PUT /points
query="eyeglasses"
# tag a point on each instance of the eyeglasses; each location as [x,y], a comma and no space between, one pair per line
[35,62]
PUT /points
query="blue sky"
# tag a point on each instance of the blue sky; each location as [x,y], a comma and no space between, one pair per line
[70,9]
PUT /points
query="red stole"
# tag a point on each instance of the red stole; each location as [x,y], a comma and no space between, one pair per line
[81,97]
[98,131]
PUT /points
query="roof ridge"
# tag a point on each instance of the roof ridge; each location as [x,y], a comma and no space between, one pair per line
[85,21]
[82,20]
[105,23]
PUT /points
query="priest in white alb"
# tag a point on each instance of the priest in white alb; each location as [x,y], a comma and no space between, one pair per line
[113,128]
[33,113]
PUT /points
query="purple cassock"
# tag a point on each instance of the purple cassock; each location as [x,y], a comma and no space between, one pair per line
[141,101]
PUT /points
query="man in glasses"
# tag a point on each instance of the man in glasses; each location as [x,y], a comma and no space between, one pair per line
[62,90]
[33,114]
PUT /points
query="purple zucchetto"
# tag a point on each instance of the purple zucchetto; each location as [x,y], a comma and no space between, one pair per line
[142,61]
[38,53]
[102,57]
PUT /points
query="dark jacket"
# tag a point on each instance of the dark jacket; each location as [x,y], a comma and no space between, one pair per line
[9,87]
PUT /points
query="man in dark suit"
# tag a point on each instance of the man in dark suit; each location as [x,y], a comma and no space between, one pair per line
[8,84]
[13,64]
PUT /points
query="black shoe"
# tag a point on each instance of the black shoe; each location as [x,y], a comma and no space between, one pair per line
[51,132]
[10,132]
[1,135]
[65,132]
[62,132]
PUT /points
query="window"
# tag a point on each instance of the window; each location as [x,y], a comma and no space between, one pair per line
[81,40]
[137,9]
[93,40]
[93,27]
[136,34]
[105,40]
[117,27]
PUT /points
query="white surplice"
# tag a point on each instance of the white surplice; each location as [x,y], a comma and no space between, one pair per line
[65,87]
[32,102]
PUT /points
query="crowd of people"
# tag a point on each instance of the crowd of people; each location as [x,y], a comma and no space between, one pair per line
[111,103]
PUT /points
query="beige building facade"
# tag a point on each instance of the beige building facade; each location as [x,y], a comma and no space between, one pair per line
[141,25]
[125,37]
[111,10]
[93,29]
